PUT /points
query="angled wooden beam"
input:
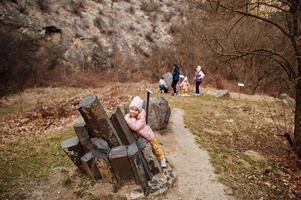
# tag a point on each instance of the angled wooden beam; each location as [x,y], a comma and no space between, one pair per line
[83,135]
[124,133]
[97,121]
[149,156]
[89,165]
[127,137]
[120,164]
[136,164]
[74,151]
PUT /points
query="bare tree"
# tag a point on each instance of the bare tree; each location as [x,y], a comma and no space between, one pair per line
[283,16]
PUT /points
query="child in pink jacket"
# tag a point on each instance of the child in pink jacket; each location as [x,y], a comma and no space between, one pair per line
[185,86]
[136,121]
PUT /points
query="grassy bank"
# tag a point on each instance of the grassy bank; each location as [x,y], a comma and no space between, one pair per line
[27,160]
[227,128]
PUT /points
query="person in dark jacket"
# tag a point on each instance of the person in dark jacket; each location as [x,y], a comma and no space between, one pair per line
[175,78]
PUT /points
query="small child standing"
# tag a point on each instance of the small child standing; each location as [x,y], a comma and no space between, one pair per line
[184,86]
[136,121]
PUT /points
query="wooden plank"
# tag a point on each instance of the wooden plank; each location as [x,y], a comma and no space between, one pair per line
[74,151]
[83,135]
[97,121]
[125,134]
[89,165]
[136,164]
[81,131]
[150,158]
[101,151]
[103,166]
[141,142]
[100,145]
[127,137]
[120,164]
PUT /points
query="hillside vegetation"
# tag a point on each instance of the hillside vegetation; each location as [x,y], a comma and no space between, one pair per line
[81,43]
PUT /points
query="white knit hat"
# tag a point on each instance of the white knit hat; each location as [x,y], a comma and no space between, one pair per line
[199,68]
[137,102]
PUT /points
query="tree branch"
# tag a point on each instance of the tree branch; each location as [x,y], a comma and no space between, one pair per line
[270,5]
[286,69]
[234,24]
[282,29]
[283,62]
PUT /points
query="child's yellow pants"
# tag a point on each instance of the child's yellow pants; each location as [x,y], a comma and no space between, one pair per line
[156,148]
[184,90]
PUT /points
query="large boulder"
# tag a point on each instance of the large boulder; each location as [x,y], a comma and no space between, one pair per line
[159,113]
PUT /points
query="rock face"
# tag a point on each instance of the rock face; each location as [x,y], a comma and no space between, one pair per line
[158,114]
[92,32]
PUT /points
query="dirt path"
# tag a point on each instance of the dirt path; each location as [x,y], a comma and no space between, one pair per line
[196,178]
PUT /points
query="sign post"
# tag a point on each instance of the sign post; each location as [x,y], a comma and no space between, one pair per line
[147,103]
[240,85]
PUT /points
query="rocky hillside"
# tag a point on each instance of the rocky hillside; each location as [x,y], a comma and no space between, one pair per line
[93,32]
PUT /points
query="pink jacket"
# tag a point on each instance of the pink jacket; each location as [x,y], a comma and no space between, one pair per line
[139,126]
[184,85]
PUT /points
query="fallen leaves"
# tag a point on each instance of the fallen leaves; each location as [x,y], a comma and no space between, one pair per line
[42,117]
[45,117]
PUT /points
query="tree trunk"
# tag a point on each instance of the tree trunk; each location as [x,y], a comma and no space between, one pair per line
[297,132]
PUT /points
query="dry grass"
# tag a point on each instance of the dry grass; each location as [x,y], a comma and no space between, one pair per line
[30,97]
[227,128]
[24,162]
